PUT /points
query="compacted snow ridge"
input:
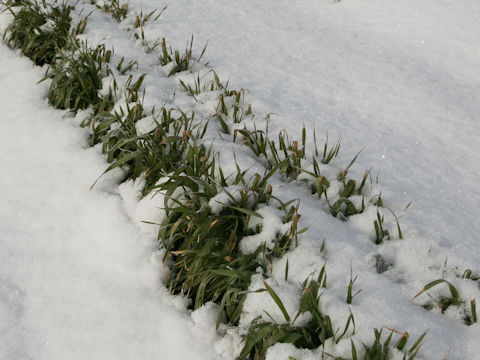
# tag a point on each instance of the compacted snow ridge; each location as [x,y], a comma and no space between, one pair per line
[80,270]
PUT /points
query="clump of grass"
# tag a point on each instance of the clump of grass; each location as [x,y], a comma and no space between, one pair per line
[40,29]
[180,62]
[381,234]
[139,27]
[153,154]
[115,8]
[256,140]
[294,164]
[344,207]
[77,76]
[123,67]
[350,293]
[231,107]
[290,154]
[141,19]
[120,12]
[382,349]
[102,118]
[203,84]
[203,246]
[262,335]
[196,88]
[443,302]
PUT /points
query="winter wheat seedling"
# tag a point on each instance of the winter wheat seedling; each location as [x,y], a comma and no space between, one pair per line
[381,350]
[381,234]
[473,309]
[262,335]
[444,302]
[77,76]
[350,294]
[115,8]
[40,29]
[180,62]
[204,244]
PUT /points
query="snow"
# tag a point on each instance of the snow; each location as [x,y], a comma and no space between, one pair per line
[225,197]
[80,270]
[271,225]
[400,79]
[147,212]
[268,310]
[76,277]
[284,351]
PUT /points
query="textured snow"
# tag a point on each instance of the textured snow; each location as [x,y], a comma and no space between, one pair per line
[225,197]
[147,212]
[261,304]
[400,79]
[271,225]
[79,280]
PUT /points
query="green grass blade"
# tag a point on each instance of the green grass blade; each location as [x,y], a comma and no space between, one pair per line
[277,300]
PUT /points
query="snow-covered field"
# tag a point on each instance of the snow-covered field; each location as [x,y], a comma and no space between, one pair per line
[77,279]
[80,274]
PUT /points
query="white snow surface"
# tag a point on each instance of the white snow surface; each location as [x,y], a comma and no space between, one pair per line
[80,275]
[77,280]
[398,78]
[271,225]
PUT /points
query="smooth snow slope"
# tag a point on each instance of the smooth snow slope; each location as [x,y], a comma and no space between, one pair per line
[76,279]
[399,78]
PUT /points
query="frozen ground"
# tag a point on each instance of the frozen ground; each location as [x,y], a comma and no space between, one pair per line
[78,279]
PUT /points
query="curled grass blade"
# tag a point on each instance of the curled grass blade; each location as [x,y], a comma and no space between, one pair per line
[453,290]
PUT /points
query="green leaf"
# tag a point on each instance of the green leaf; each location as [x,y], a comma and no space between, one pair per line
[255,337]
[417,343]
[245,211]
[118,163]
[277,301]
[453,290]
[354,351]
[286,271]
